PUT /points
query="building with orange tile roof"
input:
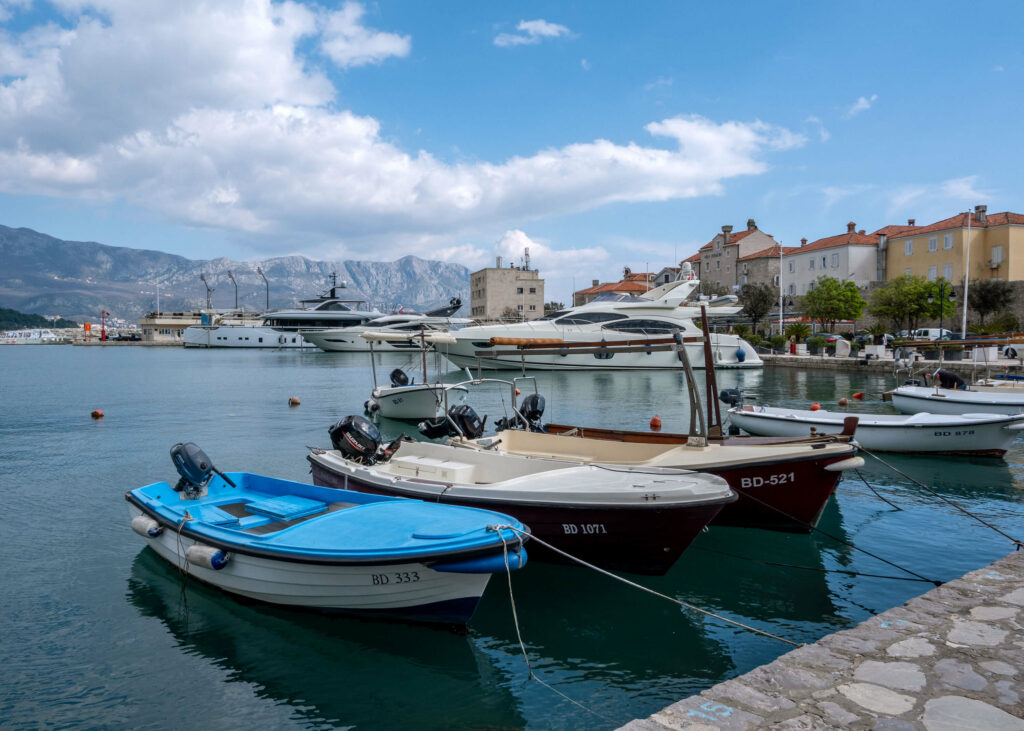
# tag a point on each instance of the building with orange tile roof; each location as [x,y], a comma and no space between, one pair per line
[848,256]
[718,257]
[940,249]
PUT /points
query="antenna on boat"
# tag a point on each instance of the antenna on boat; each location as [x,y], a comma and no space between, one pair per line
[334,284]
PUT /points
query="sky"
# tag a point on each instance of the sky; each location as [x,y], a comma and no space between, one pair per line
[601,135]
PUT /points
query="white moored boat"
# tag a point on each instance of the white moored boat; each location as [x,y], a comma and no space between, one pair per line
[586,337]
[284,328]
[405,399]
[936,400]
[969,434]
[407,325]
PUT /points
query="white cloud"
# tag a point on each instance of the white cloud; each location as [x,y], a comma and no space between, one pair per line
[243,135]
[862,104]
[585,64]
[940,199]
[348,43]
[533,32]
[819,126]
[963,189]
[997,69]
[661,81]
[834,193]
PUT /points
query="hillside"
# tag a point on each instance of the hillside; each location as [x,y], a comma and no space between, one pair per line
[14,320]
[76,279]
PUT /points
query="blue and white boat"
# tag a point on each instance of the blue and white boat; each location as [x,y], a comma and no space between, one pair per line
[301,545]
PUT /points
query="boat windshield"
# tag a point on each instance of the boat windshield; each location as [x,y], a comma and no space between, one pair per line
[589,318]
[644,326]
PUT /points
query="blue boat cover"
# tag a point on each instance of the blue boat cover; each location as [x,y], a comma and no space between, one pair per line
[296,520]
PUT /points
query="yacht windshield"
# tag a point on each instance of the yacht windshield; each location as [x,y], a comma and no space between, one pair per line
[553,315]
[333,307]
[612,297]
[589,318]
[647,327]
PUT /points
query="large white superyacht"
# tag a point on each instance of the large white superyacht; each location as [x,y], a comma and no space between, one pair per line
[284,328]
[608,321]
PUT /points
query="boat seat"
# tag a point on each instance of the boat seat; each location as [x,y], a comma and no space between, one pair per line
[432,468]
[286,507]
[211,515]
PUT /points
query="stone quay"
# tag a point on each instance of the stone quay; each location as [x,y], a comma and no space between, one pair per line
[948,660]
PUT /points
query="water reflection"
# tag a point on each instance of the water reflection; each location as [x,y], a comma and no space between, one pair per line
[333,670]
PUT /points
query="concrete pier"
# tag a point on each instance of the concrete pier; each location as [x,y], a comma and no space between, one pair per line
[951,659]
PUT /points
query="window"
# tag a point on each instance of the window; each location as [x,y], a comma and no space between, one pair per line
[908,270]
[585,318]
[792,289]
[792,266]
[533,290]
[718,263]
[776,280]
[519,290]
[997,255]
[811,264]
[707,266]
[824,262]
[908,247]
[835,260]
[743,279]
[533,307]
[947,241]
[519,307]
[643,326]
[933,273]
[933,243]
[947,272]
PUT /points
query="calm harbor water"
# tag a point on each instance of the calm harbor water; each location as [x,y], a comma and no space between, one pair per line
[98,631]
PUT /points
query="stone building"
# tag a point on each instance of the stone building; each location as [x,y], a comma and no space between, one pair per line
[762,267]
[633,283]
[719,256]
[849,256]
[497,290]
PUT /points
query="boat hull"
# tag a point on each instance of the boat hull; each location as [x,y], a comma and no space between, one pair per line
[335,341]
[976,437]
[724,347]
[416,402]
[644,539]
[411,591]
[914,399]
[241,336]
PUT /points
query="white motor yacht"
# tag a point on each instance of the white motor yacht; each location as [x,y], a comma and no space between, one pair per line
[349,339]
[575,338]
[284,328]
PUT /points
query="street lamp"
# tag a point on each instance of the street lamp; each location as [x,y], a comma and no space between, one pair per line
[232,278]
[209,292]
[260,272]
[942,304]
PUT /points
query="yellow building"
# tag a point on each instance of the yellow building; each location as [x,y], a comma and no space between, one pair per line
[939,249]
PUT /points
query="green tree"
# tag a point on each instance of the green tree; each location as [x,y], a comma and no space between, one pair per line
[712,289]
[798,330]
[903,301]
[986,296]
[757,300]
[830,301]
[550,307]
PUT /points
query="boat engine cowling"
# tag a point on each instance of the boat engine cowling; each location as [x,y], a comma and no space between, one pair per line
[357,438]
[532,407]
[466,423]
[732,397]
[399,378]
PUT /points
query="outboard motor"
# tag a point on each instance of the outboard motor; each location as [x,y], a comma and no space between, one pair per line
[471,425]
[399,378]
[732,397]
[195,469]
[532,409]
[357,438]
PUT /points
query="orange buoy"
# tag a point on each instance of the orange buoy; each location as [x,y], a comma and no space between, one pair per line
[97,414]
[815,406]
[859,395]
[655,422]
[843,401]
[293,401]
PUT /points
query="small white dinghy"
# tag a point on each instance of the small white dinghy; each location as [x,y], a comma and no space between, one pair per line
[937,400]
[967,434]
[404,399]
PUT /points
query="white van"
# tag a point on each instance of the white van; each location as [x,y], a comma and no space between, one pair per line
[931,333]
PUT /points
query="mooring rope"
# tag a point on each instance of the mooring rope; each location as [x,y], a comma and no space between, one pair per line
[641,587]
[1016,542]
[877,493]
[519,635]
[837,538]
[820,569]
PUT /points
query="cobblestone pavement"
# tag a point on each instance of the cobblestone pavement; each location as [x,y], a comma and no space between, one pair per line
[950,660]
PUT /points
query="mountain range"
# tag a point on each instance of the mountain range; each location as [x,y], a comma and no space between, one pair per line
[78,279]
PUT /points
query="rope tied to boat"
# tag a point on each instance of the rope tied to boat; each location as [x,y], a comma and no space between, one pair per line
[183,566]
[515,618]
[641,587]
[1015,542]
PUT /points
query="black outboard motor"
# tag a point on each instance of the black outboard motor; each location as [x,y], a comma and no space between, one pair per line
[948,379]
[399,378]
[195,468]
[469,424]
[357,438]
[732,397]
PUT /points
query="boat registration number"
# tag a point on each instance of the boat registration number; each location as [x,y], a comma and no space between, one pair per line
[964,433]
[399,577]
[587,528]
[781,479]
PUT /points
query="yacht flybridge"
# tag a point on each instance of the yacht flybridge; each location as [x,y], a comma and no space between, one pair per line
[283,328]
[617,331]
